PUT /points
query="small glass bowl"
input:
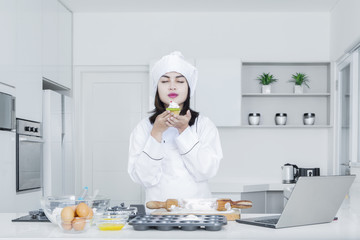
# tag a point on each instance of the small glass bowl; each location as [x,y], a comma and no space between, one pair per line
[77,225]
[112,221]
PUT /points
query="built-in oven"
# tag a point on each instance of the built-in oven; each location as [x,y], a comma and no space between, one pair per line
[29,155]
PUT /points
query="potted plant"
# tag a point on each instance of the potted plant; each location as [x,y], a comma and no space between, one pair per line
[266,79]
[300,79]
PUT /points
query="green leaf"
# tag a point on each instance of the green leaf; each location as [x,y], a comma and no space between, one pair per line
[266,79]
[300,79]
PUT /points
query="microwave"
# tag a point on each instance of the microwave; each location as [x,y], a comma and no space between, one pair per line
[7,112]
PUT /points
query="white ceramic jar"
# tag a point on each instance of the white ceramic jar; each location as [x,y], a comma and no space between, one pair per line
[280,118]
[309,118]
[254,118]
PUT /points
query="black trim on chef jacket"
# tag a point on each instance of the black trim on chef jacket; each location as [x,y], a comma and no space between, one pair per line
[156,159]
[190,149]
[196,126]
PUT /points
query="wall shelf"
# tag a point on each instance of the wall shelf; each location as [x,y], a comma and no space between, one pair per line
[286,126]
[282,99]
[286,95]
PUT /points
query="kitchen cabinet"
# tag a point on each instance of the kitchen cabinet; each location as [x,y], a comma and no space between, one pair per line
[218,91]
[7,41]
[264,201]
[28,64]
[36,42]
[316,99]
[7,178]
[50,39]
[57,43]
[21,67]
[266,198]
[65,46]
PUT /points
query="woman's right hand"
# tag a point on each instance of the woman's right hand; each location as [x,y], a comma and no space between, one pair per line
[160,125]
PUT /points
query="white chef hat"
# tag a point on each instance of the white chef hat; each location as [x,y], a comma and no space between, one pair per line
[174,62]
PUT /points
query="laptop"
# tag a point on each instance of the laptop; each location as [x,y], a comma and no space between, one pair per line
[313,200]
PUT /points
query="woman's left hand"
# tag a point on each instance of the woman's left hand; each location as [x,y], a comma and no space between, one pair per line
[180,122]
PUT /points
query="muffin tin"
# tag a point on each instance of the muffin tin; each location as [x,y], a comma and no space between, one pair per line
[172,222]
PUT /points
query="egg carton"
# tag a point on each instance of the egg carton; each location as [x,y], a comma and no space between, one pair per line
[183,222]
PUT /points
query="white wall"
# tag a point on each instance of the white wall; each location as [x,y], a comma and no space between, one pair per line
[256,155]
[136,38]
[344,27]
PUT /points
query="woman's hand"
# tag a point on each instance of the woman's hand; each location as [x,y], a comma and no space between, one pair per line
[180,122]
[160,125]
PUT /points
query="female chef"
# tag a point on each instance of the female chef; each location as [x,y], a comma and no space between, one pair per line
[174,156]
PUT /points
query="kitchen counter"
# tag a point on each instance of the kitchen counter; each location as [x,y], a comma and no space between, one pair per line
[346,227]
[250,187]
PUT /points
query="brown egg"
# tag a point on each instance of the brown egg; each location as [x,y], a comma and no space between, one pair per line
[67,214]
[78,224]
[82,210]
[91,213]
[66,226]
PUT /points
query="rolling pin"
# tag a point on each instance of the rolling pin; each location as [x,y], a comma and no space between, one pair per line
[167,204]
[242,204]
[219,205]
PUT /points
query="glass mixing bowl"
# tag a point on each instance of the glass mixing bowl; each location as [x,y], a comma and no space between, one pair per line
[77,225]
[53,205]
[112,221]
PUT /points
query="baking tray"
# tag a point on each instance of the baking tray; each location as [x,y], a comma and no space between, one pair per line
[172,222]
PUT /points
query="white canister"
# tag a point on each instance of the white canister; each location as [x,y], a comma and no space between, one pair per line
[280,118]
[309,118]
[254,118]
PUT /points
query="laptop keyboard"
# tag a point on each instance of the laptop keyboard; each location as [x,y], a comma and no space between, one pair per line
[268,221]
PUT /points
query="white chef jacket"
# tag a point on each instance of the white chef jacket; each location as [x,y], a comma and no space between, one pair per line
[179,166]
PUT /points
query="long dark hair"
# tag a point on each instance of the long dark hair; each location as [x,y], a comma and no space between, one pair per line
[160,108]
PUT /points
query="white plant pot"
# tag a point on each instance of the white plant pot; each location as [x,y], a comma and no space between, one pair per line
[298,89]
[266,89]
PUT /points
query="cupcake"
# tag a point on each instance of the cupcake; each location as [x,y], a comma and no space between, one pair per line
[174,108]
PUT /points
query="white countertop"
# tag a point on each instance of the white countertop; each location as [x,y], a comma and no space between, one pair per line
[251,187]
[346,227]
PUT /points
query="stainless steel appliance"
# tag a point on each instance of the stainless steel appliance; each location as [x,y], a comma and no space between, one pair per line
[29,155]
[309,172]
[34,216]
[7,112]
[290,173]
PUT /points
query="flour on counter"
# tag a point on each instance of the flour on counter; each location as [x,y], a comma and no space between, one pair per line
[190,218]
[199,204]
